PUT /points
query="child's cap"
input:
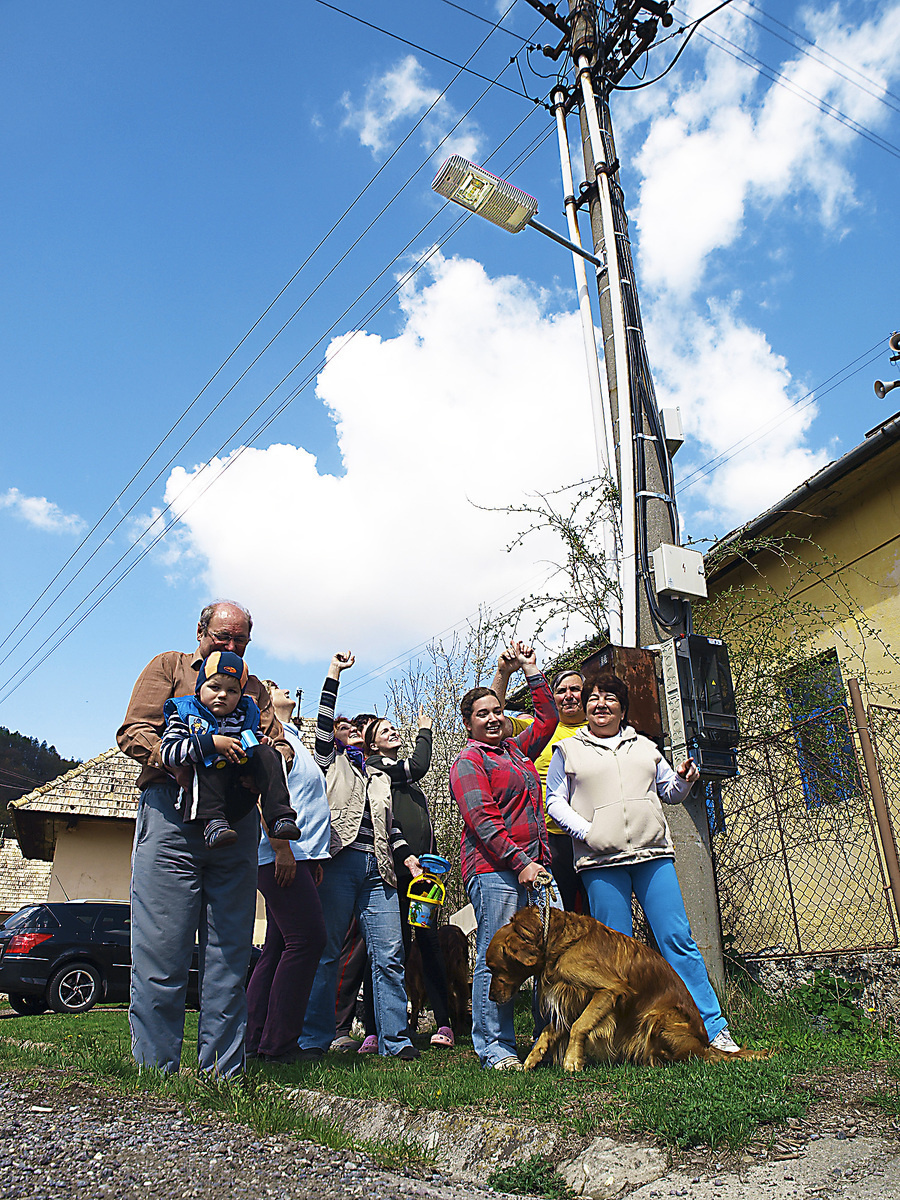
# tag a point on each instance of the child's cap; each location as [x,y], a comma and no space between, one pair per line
[222,662]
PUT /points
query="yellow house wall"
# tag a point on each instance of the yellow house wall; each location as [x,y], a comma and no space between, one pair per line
[858,528]
[92,861]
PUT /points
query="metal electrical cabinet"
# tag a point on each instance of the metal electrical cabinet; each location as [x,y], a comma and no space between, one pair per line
[700,709]
[637,667]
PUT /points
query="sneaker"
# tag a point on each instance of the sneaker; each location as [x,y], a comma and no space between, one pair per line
[219,833]
[508,1064]
[369,1046]
[409,1054]
[344,1044]
[725,1042]
[286,829]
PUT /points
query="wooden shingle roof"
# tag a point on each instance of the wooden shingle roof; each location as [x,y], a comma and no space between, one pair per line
[22,880]
[103,788]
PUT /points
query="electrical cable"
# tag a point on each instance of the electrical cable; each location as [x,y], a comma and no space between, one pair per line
[425,50]
[486,20]
[823,106]
[12,683]
[405,655]
[225,362]
[18,777]
[821,49]
[835,380]
[692,26]
[209,415]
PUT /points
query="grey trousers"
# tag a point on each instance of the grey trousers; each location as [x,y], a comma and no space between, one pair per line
[181,888]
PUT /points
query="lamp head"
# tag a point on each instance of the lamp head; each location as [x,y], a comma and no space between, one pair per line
[481,192]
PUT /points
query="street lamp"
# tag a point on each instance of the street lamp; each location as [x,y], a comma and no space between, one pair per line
[497,200]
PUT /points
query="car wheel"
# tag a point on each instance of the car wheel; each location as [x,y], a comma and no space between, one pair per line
[74,988]
[27,1006]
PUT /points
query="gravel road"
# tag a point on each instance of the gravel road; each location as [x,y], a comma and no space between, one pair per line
[60,1144]
[56,1145]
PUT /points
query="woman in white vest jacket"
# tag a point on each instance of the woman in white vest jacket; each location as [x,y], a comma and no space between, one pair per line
[604,787]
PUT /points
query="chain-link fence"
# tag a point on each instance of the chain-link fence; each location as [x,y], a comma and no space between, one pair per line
[797,862]
[884,726]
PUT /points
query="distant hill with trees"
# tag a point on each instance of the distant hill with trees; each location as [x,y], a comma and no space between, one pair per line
[26,763]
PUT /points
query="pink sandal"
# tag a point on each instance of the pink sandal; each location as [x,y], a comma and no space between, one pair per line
[443,1037]
[370,1045]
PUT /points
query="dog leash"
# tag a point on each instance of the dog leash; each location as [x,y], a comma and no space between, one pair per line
[541,893]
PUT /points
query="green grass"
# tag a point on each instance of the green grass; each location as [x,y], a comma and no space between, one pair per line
[534,1176]
[94,1049]
[686,1104]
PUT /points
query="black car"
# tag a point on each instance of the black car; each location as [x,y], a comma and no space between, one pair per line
[71,955]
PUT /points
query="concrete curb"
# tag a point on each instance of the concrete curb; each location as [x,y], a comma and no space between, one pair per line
[471,1147]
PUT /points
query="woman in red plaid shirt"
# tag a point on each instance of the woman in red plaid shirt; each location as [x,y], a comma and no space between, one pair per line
[504,841]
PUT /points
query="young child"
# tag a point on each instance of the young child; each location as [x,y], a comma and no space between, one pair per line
[204,731]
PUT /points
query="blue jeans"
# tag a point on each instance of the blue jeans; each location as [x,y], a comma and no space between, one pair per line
[353,886]
[656,886]
[496,897]
[180,888]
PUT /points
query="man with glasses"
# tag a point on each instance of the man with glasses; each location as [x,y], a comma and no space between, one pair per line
[180,889]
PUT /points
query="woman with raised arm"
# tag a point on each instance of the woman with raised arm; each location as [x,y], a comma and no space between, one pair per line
[566,688]
[604,787]
[358,879]
[504,840]
[382,742]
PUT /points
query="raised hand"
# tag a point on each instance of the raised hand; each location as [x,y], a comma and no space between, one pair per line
[425,721]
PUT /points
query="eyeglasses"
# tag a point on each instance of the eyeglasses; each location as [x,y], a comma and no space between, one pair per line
[222,639]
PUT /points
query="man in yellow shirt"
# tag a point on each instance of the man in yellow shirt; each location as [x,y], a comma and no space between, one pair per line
[566,687]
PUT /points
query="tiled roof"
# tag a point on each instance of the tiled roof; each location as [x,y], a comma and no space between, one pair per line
[104,788]
[22,880]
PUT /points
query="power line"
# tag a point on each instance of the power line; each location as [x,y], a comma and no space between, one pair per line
[827,53]
[840,376]
[254,361]
[691,28]
[221,367]
[431,53]
[12,683]
[770,73]
[405,655]
[486,21]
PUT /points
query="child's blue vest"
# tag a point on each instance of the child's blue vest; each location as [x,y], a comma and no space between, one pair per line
[200,720]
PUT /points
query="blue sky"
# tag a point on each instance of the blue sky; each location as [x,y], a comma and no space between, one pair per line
[168,167]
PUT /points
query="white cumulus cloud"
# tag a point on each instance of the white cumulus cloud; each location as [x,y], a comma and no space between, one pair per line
[402,93]
[480,397]
[40,512]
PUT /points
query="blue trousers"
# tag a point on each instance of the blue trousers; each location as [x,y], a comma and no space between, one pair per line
[352,885]
[496,897]
[182,889]
[656,886]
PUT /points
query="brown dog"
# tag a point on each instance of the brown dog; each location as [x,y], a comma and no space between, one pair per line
[454,947]
[609,996]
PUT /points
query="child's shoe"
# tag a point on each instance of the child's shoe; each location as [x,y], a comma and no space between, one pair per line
[285,828]
[219,833]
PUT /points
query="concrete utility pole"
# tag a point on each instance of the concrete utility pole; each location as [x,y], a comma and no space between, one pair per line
[603,47]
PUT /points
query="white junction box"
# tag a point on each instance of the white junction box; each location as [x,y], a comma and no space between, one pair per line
[672,428]
[679,572]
